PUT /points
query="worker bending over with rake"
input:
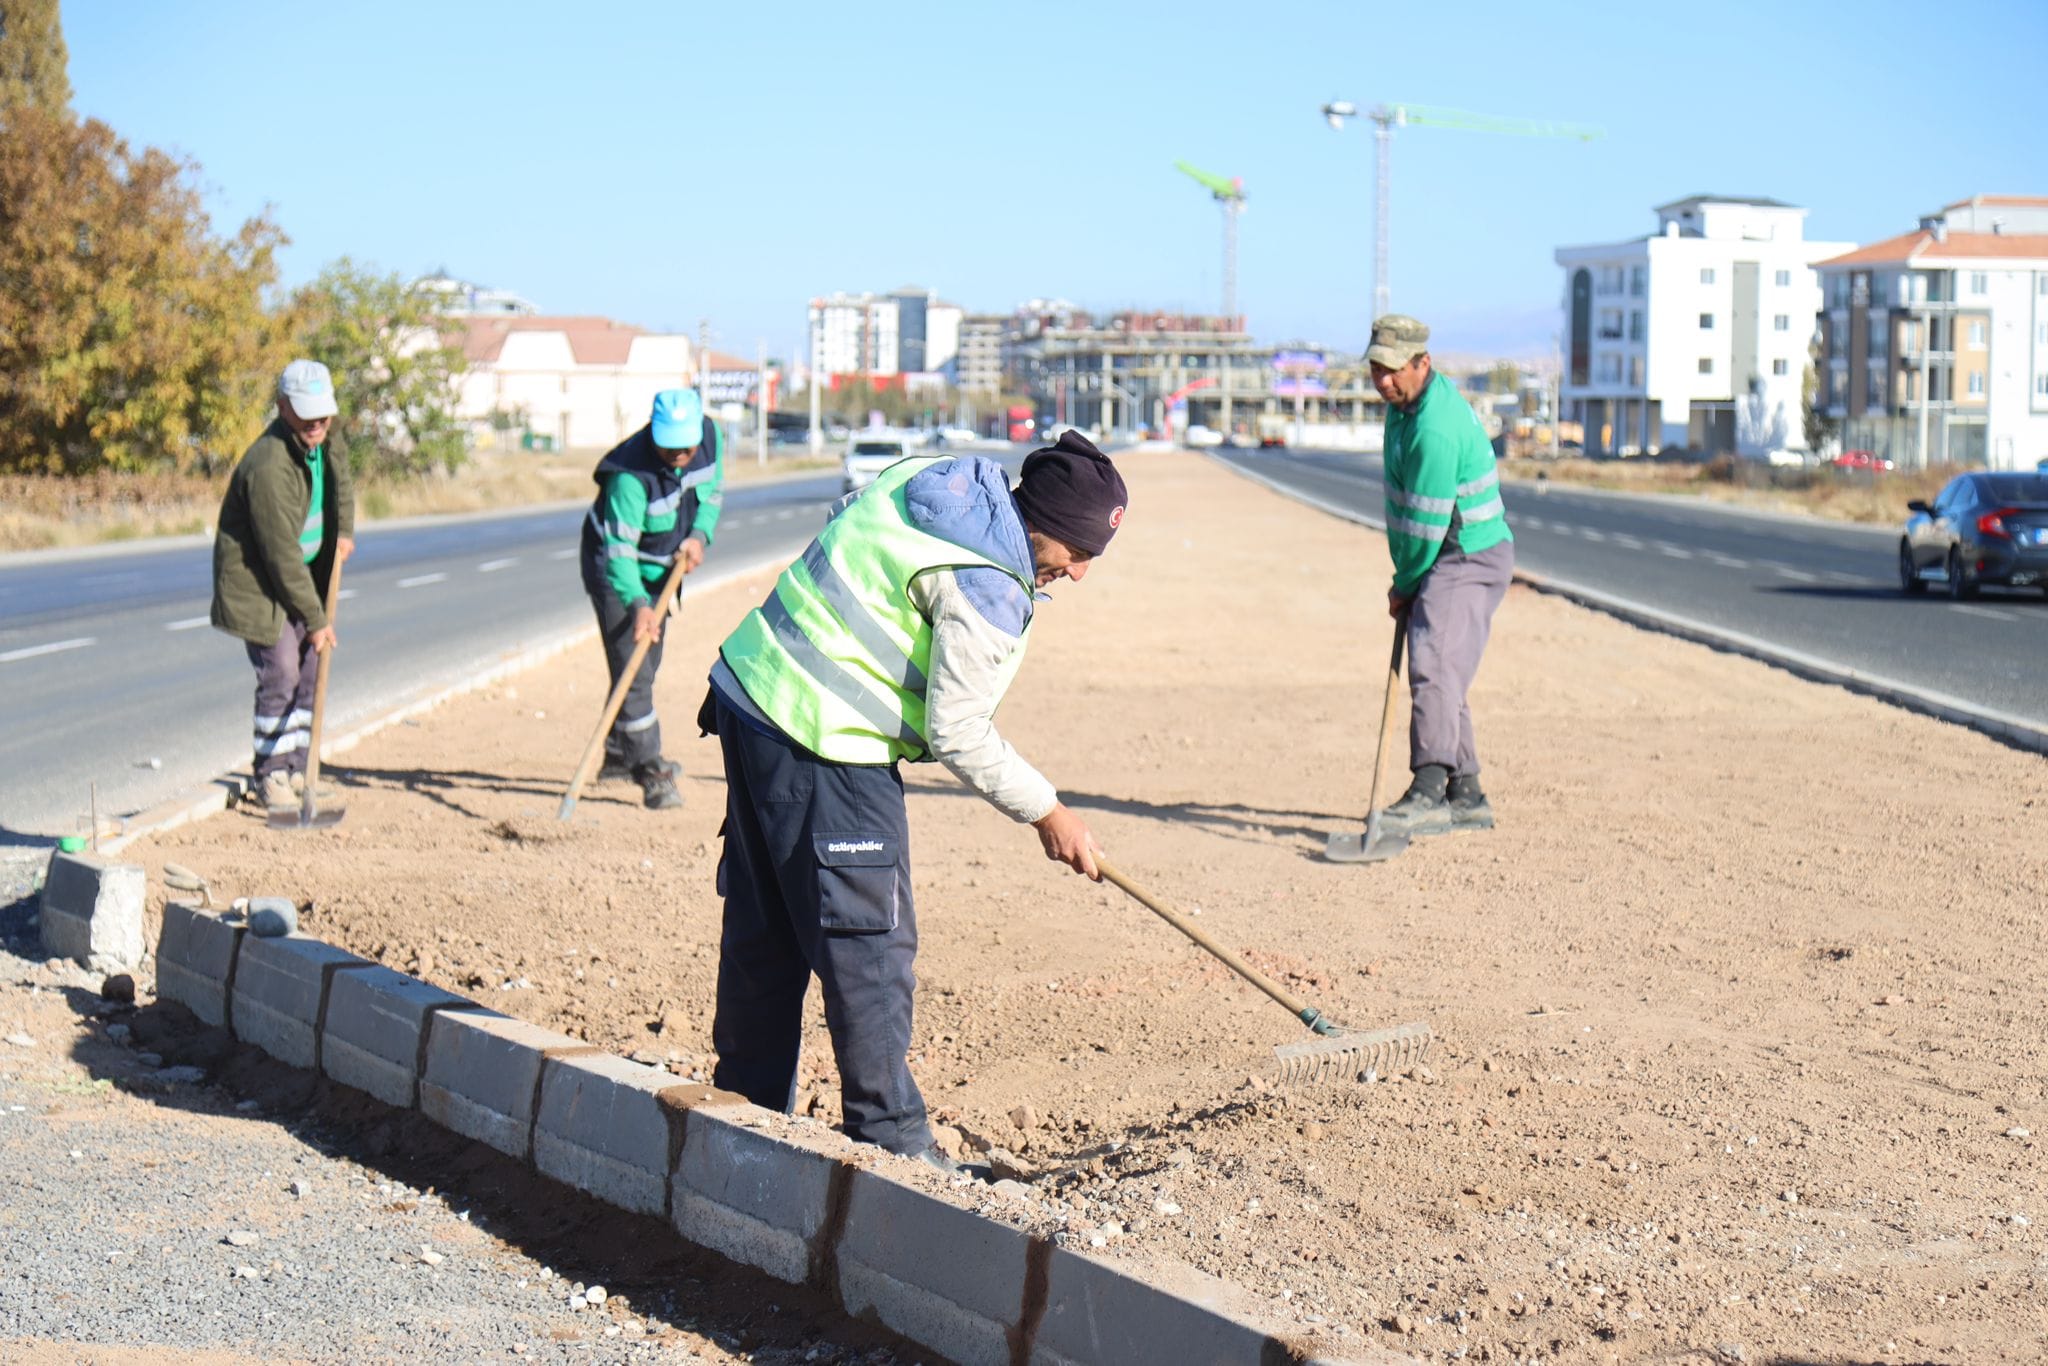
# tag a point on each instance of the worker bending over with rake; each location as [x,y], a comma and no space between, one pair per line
[659,493]
[1453,557]
[894,636]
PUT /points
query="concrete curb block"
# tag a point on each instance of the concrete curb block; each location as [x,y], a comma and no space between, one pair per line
[218,794]
[2001,726]
[90,910]
[806,1207]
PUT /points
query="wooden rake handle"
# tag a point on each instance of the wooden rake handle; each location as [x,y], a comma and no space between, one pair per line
[320,688]
[1301,1009]
[587,764]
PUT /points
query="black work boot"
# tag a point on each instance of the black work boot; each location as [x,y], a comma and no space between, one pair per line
[615,769]
[658,785]
[1423,809]
[1469,808]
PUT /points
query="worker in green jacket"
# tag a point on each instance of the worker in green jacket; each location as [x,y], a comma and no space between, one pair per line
[659,493]
[1447,531]
[286,525]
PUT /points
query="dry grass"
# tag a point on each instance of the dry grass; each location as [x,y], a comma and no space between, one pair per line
[1844,495]
[38,512]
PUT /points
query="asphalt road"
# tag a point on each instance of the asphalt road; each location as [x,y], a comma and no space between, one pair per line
[1824,589]
[107,661]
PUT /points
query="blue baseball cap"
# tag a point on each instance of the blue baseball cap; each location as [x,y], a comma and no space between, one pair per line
[678,419]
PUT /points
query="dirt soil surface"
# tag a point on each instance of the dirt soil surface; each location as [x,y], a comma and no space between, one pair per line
[1739,1049]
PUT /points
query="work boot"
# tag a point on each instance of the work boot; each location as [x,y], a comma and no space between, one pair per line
[935,1157]
[276,790]
[1469,808]
[1422,809]
[324,792]
[658,786]
[616,770]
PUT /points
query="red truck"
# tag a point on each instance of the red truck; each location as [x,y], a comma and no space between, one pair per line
[1022,423]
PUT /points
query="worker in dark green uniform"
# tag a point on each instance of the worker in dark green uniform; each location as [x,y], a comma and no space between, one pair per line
[658,497]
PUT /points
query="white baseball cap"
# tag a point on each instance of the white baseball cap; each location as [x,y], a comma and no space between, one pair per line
[310,389]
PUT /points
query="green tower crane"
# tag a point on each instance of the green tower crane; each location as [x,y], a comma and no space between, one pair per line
[1228,192]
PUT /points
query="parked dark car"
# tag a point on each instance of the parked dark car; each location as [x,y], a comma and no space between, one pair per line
[1985,527]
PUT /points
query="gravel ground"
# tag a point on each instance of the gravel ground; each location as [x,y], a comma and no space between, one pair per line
[169,1193]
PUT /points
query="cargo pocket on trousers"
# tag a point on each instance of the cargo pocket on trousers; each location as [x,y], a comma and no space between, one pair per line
[859,881]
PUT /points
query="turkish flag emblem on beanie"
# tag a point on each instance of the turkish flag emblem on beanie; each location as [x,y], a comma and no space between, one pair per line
[1116,518]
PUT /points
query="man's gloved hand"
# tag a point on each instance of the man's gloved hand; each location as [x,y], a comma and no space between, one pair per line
[1066,840]
[646,623]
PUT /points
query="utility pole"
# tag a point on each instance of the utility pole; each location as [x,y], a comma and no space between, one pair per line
[761,402]
[817,428]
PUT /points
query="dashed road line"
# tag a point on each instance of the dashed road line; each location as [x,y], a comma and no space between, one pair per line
[1591,534]
[785,514]
[1992,612]
[1786,571]
[563,554]
[1837,576]
[1727,561]
[54,647]
[344,595]
[493,566]
[188,623]
[1630,542]
[421,580]
[1676,552]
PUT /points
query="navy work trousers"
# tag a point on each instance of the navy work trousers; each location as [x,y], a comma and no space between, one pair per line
[285,676]
[816,879]
[635,737]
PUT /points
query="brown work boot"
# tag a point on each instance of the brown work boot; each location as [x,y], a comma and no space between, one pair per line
[275,791]
[658,790]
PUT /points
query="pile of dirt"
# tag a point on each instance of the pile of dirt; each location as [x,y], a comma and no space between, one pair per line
[1735,1007]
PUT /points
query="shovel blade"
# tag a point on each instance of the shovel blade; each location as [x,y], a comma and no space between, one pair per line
[1364,846]
[303,818]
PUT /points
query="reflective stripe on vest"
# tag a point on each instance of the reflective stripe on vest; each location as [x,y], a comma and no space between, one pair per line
[838,657]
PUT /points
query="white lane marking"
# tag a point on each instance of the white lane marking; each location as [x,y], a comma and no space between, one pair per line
[1837,576]
[785,514]
[421,580]
[344,595]
[188,623]
[562,554]
[1591,534]
[1537,523]
[54,647]
[1676,552]
[1629,541]
[493,566]
[1786,571]
[1991,612]
[1727,561]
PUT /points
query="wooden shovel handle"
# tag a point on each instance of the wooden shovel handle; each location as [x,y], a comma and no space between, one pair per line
[587,764]
[320,684]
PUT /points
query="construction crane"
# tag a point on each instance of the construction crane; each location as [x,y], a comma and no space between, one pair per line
[1229,193]
[1387,117]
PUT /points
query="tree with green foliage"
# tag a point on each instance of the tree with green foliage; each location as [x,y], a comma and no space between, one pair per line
[34,66]
[395,372]
[131,337]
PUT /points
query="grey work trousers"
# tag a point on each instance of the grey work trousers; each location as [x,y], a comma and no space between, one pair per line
[635,737]
[816,879]
[1448,623]
[285,676]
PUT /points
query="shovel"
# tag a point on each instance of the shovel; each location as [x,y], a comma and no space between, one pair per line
[1338,1054]
[309,816]
[588,763]
[1376,845]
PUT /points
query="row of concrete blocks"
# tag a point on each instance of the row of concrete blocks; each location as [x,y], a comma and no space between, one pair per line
[807,1208]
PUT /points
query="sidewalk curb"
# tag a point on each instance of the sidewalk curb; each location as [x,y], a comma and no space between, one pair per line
[2015,731]
[808,1207]
[218,794]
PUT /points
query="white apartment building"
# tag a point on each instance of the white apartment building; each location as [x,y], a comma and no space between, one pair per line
[854,334]
[1697,335]
[978,368]
[1935,342]
[585,382]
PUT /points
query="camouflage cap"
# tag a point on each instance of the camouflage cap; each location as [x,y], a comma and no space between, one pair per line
[1396,340]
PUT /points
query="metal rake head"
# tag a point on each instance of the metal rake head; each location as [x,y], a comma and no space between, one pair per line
[1353,1055]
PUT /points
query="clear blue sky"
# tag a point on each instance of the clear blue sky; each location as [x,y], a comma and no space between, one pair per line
[666,162]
